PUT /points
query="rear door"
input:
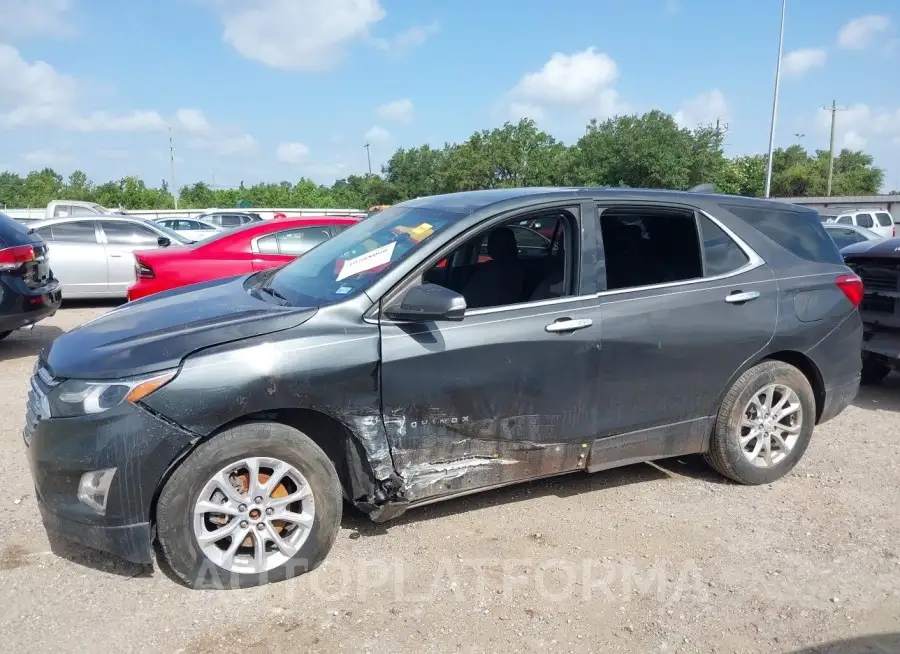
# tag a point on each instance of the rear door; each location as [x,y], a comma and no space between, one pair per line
[121,238]
[77,258]
[684,305]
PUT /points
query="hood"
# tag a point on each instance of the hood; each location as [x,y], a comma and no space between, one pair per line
[157,332]
[888,247]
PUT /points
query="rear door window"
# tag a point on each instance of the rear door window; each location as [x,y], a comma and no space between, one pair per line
[75,232]
[231,221]
[299,241]
[845,220]
[267,244]
[125,233]
[884,219]
[799,232]
[865,220]
[843,236]
[721,254]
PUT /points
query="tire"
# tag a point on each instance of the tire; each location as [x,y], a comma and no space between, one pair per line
[176,524]
[874,371]
[4,335]
[726,454]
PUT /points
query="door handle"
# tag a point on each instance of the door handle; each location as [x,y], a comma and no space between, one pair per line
[115,256]
[568,325]
[739,297]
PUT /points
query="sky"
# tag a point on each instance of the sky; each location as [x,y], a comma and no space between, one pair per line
[272,90]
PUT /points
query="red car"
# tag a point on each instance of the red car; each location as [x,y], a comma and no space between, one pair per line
[240,251]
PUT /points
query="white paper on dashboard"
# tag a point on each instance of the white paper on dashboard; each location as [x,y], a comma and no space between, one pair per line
[367,261]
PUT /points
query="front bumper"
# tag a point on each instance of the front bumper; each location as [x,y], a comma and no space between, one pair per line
[21,306]
[129,438]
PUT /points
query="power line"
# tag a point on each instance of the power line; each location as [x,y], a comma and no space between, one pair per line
[833,109]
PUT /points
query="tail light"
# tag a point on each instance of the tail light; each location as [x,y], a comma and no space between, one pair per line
[143,271]
[851,286]
[12,258]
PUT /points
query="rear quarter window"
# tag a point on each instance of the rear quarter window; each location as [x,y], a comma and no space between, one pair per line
[884,219]
[799,232]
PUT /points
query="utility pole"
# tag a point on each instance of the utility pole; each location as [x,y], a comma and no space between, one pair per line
[368,157]
[833,109]
[172,163]
[775,102]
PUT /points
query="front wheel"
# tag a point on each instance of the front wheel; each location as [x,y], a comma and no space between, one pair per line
[258,503]
[764,425]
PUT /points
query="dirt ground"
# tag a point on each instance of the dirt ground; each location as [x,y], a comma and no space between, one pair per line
[648,558]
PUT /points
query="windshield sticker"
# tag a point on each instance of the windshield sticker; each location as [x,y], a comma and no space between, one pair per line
[417,234]
[367,261]
[343,290]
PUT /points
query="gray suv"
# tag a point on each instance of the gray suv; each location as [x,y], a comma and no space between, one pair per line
[434,350]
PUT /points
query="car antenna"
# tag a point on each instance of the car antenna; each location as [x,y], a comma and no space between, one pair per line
[703,188]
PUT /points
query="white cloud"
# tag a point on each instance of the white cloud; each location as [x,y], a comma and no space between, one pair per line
[864,31]
[408,39]
[704,109]
[377,135]
[218,139]
[28,18]
[582,81]
[47,157]
[398,111]
[307,35]
[799,62]
[34,94]
[292,153]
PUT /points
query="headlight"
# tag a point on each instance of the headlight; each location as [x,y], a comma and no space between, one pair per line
[75,397]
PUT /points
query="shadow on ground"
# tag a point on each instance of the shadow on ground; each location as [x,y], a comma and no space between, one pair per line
[880,397]
[21,344]
[874,644]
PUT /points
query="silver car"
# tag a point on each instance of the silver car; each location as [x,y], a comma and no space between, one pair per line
[191,228]
[844,235]
[93,256]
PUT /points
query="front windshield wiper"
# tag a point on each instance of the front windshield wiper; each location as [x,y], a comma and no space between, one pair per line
[282,300]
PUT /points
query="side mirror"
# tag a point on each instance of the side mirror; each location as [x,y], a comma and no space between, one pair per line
[428,302]
[163,242]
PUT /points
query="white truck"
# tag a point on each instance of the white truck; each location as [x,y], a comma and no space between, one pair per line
[60,209]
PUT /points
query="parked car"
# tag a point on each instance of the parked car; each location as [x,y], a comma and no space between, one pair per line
[231,252]
[236,415]
[93,257]
[878,265]
[879,221]
[230,219]
[844,235]
[192,229]
[29,292]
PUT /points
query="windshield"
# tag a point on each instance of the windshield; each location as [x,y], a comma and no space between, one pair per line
[352,261]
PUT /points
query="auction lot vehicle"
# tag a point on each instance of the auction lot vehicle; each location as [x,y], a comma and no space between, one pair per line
[29,292]
[878,220]
[257,246]
[844,235]
[230,219]
[396,365]
[94,257]
[878,265]
[190,228]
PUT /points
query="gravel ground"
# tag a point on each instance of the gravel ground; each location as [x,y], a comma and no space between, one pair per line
[649,558]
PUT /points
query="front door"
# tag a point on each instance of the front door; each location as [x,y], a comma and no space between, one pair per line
[508,393]
[76,258]
[686,307]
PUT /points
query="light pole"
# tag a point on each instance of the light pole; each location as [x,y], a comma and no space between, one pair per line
[775,102]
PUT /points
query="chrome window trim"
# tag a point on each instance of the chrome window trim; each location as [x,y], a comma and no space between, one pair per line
[754,262]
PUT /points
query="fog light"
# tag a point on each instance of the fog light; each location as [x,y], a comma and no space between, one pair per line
[93,489]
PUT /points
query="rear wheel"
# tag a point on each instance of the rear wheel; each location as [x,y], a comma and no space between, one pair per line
[258,503]
[874,371]
[764,425]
